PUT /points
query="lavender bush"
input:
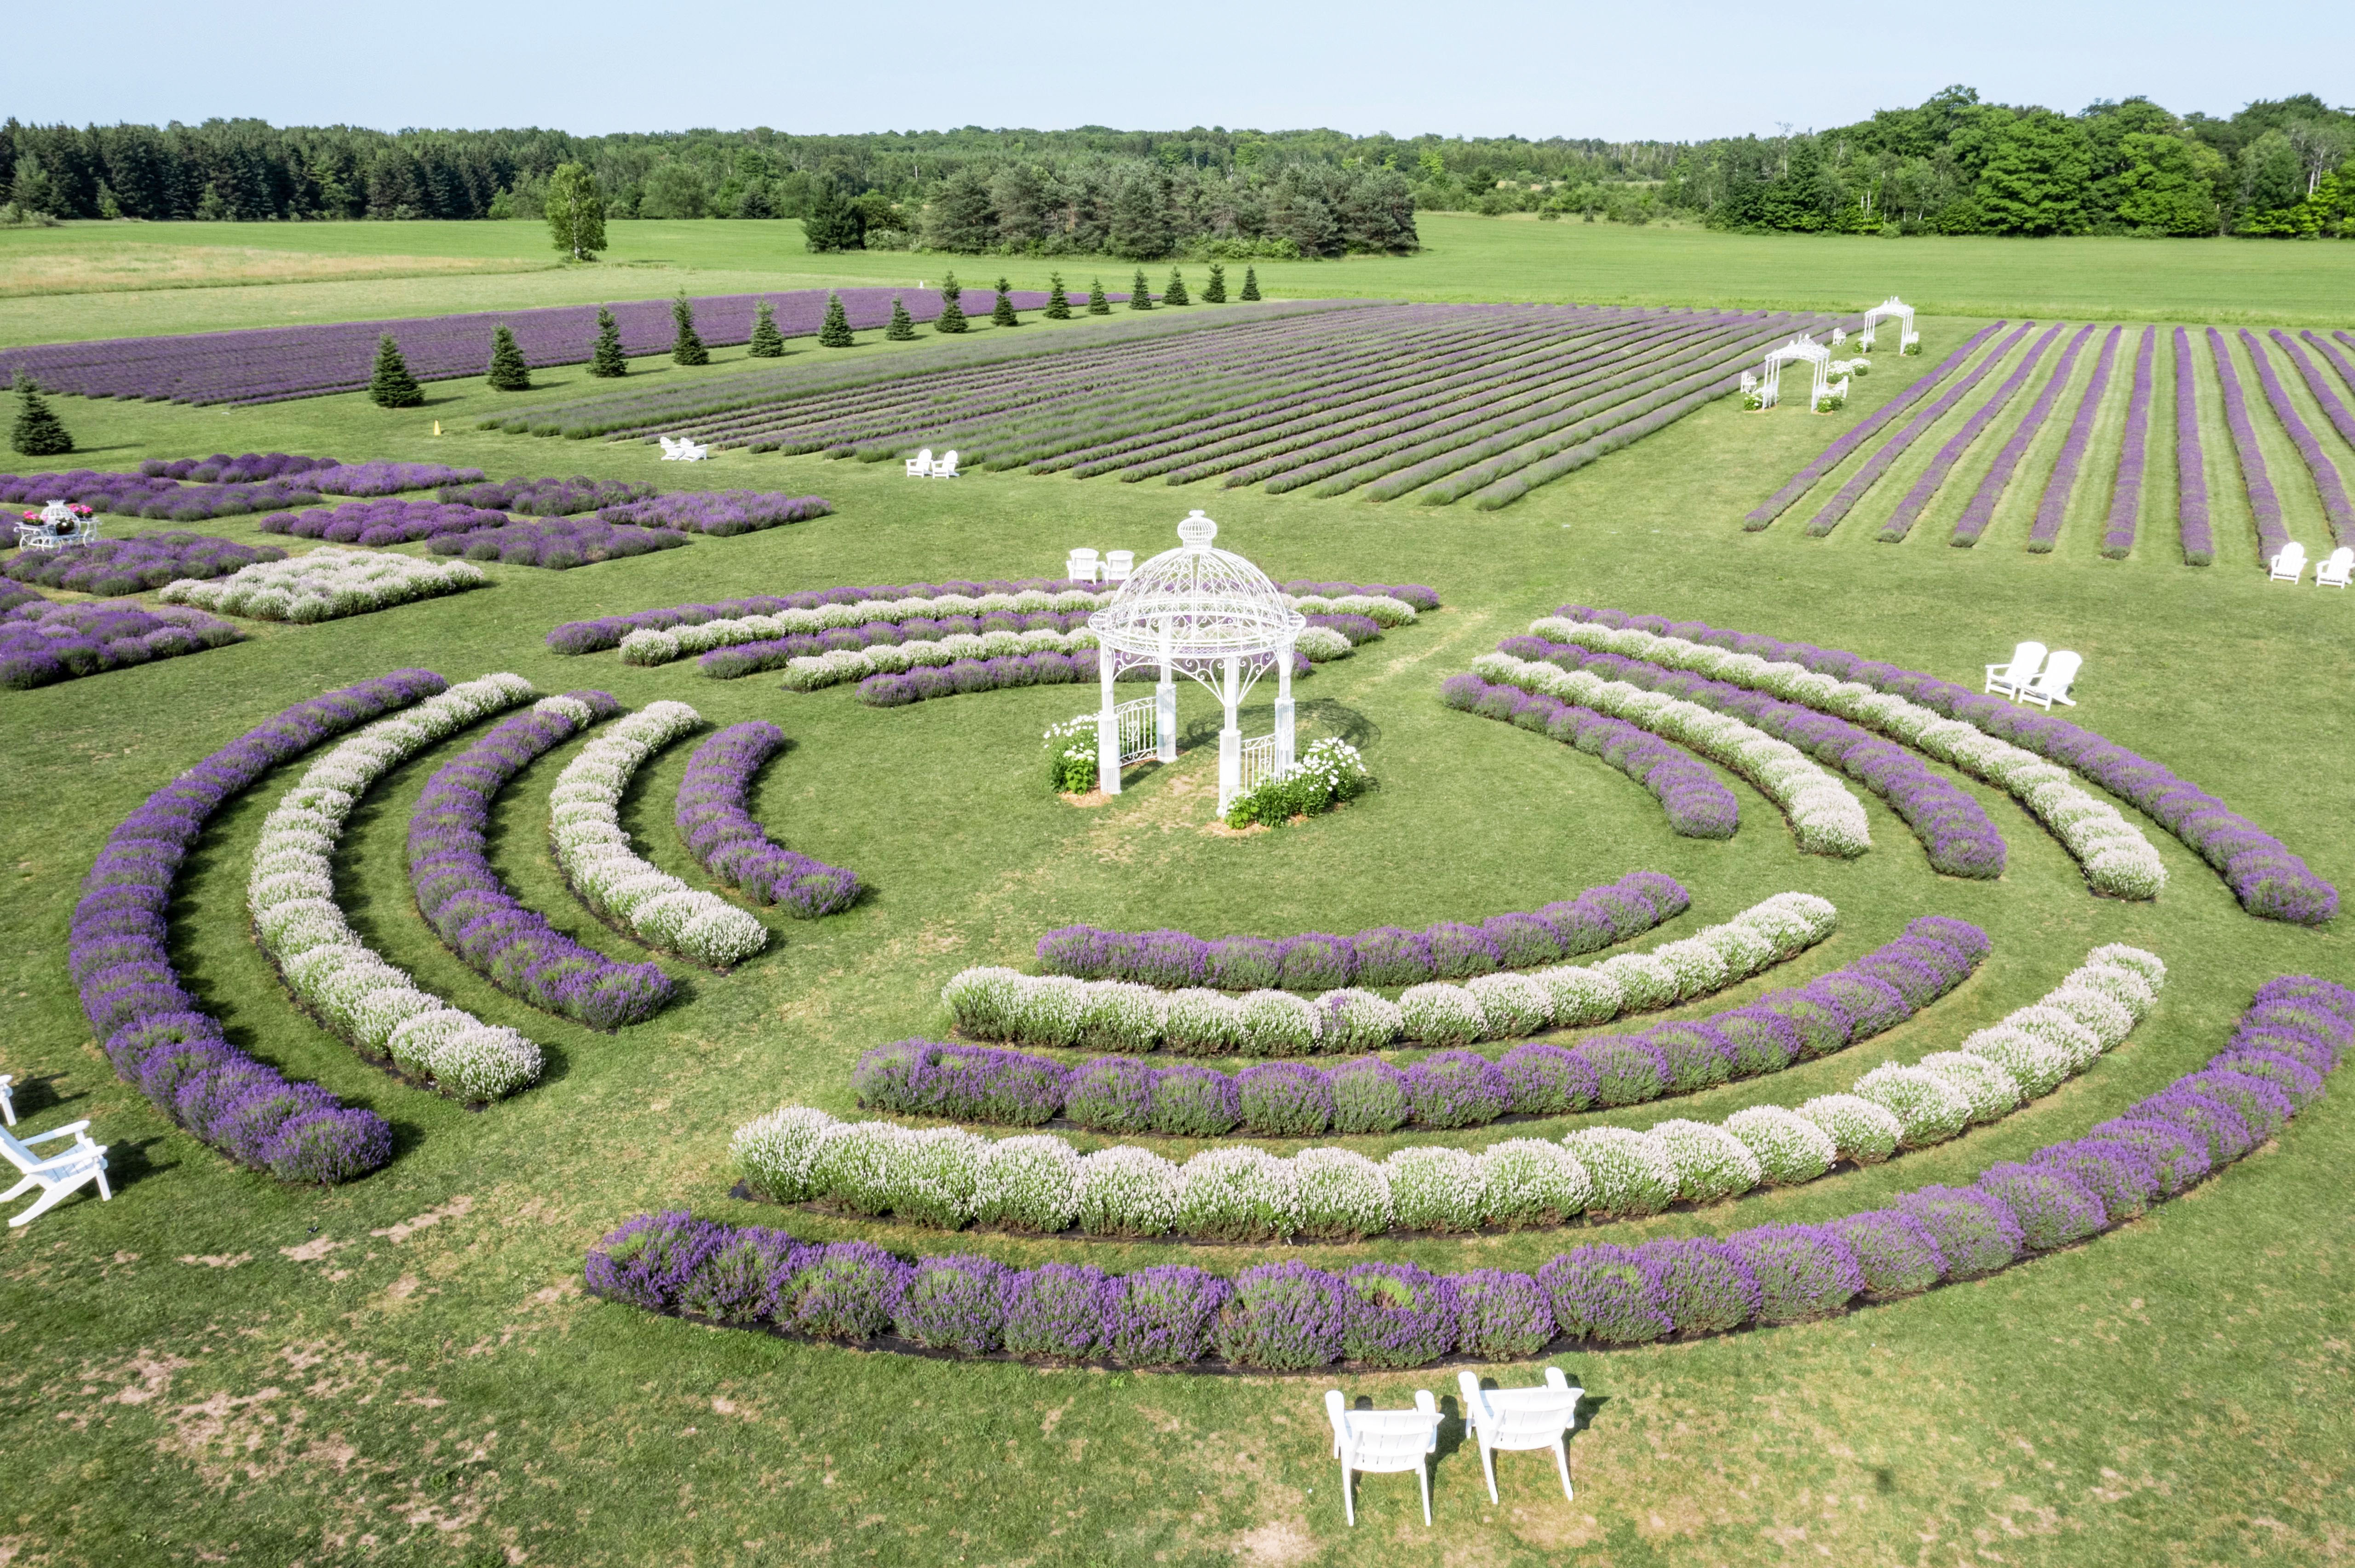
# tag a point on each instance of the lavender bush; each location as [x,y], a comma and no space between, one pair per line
[720,512]
[2199,538]
[41,643]
[1696,805]
[559,544]
[2052,507]
[379,523]
[2319,464]
[111,568]
[2256,478]
[546,497]
[719,831]
[2126,498]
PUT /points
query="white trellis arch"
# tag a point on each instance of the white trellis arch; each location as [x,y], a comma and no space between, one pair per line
[1767,385]
[1891,309]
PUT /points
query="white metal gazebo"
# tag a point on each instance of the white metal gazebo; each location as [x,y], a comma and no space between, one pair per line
[1205,612]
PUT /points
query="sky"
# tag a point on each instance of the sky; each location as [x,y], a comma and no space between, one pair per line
[1622,73]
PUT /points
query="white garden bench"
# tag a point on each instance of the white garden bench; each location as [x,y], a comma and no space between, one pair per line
[2006,679]
[921,465]
[1517,1420]
[58,1174]
[2289,565]
[2051,685]
[2335,571]
[1384,1442]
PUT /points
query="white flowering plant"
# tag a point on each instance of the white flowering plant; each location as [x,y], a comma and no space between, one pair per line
[1328,772]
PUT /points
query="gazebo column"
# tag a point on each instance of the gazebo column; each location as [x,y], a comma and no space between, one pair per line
[1165,705]
[1283,752]
[1231,739]
[1107,727]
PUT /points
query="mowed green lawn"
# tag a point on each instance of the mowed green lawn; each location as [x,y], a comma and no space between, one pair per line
[89,280]
[405,1370]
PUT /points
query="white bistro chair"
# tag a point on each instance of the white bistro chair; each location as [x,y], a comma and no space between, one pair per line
[2008,679]
[2052,684]
[2335,571]
[2289,565]
[1118,564]
[921,465]
[57,1175]
[1080,566]
[1384,1442]
[1521,1419]
[946,467]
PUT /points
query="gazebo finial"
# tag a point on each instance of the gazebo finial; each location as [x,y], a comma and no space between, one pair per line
[1197,532]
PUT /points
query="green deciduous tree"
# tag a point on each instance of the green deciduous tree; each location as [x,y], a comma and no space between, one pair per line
[2162,186]
[1174,294]
[2272,186]
[1002,313]
[768,343]
[1250,283]
[1099,304]
[1214,292]
[1059,305]
[2035,176]
[606,358]
[509,372]
[38,432]
[687,347]
[952,316]
[902,328]
[576,212]
[1140,292]
[390,385]
[834,333]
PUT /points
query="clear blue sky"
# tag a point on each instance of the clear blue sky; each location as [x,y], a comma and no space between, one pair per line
[1488,67]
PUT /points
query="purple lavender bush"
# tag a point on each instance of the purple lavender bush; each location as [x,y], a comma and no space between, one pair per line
[558,544]
[42,643]
[1703,1286]
[381,522]
[1057,1310]
[1166,1316]
[1401,1315]
[1803,1272]
[649,1260]
[1603,1293]
[1285,1317]
[723,514]
[112,568]
[548,497]
[955,1303]
[1895,1253]
[715,821]
[1696,805]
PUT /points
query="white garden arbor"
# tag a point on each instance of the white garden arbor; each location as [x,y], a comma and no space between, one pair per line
[1767,385]
[1891,309]
[1205,612]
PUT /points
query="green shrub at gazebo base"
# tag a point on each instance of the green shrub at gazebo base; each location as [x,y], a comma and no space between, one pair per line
[1071,756]
[1329,772]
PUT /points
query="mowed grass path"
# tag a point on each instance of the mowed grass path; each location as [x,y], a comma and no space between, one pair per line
[203,277]
[404,1371]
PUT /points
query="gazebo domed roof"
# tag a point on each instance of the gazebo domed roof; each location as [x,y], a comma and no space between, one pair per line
[1209,602]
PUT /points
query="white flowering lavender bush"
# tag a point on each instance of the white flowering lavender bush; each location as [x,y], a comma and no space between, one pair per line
[324,584]
[1531,1181]
[776,1154]
[1928,1108]
[1630,1172]
[1124,1191]
[595,853]
[1789,1148]
[1243,1193]
[1710,1163]
[1863,1132]
[1030,1183]
[1343,1195]
[1991,1093]
[935,1176]
[1436,1188]
[345,984]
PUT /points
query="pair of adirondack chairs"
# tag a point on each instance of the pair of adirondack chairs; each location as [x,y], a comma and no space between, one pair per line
[1510,1420]
[923,466]
[1083,567]
[2288,566]
[2030,677]
[683,450]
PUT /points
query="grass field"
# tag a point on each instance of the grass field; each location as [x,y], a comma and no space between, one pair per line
[404,1371]
[89,280]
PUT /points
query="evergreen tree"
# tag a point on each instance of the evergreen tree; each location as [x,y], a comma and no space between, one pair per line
[1140,293]
[1250,283]
[768,343]
[902,328]
[607,358]
[831,223]
[509,372]
[1174,294]
[576,212]
[835,333]
[686,348]
[1002,314]
[1097,304]
[1214,292]
[390,385]
[1059,307]
[951,317]
[39,432]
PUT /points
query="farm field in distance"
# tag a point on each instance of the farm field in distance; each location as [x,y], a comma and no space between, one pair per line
[406,1369]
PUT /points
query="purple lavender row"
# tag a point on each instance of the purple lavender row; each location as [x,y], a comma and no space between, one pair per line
[475,914]
[728,841]
[2327,483]
[1386,956]
[2269,882]
[1697,803]
[546,497]
[1045,667]
[2125,501]
[377,523]
[594,636]
[1848,494]
[1445,1089]
[558,544]
[42,643]
[222,468]
[155,1034]
[1981,508]
[1288,1316]
[741,658]
[1901,522]
[112,568]
[1947,819]
[722,514]
[2328,394]
[2052,507]
[2190,467]
[1764,514]
[271,364]
[2265,505]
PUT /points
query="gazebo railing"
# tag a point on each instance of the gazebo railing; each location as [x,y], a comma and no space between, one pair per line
[1259,764]
[1140,730]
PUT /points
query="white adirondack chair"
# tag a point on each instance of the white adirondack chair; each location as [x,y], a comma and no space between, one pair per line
[1118,564]
[921,465]
[1377,1442]
[1081,565]
[8,1105]
[670,449]
[2026,660]
[1520,1419]
[2289,565]
[689,452]
[946,467]
[2052,685]
[2335,571]
[57,1175]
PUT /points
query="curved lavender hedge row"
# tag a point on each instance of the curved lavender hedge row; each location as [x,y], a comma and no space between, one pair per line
[383,521]
[2052,506]
[2192,526]
[2256,478]
[546,497]
[111,568]
[1764,514]
[41,643]
[607,631]
[2269,882]
[1901,521]
[1290,1316]
[558,544]
[155,1033]
[1828,517]
[960,676]
[1980,510]
[2125,501]
[1697,803]
[721,831]
[2327,483]
[1387,956]
[1952,825]
[472,910]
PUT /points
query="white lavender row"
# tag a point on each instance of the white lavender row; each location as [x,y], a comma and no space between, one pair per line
[324,585]
[346,985]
